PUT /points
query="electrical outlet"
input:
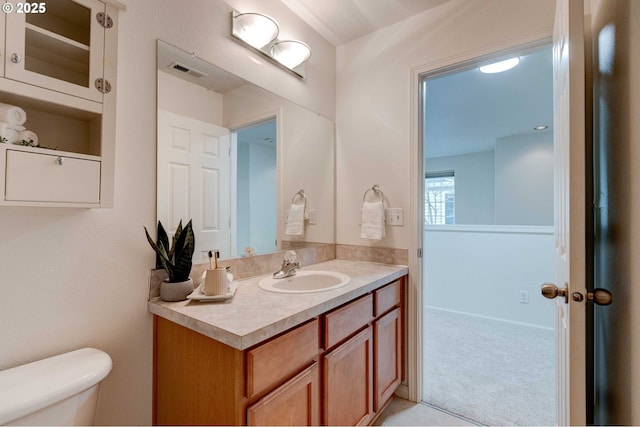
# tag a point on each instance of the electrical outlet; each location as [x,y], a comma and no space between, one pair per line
[524,297]
[395,216]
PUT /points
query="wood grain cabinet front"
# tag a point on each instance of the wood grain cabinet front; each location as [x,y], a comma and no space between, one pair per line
[295,403]
[289,379]
[270,364]
[348,382]
[387,338]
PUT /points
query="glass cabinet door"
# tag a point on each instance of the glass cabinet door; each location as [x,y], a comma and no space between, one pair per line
[56,45]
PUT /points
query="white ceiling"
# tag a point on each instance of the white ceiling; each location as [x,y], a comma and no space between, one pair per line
[342,21]
[467,111]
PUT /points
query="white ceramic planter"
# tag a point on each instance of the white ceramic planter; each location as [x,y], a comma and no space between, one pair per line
[176,291]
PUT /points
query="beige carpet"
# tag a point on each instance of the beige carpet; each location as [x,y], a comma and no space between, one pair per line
[492,372]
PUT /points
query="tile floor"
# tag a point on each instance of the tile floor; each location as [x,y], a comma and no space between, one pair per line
[401,412]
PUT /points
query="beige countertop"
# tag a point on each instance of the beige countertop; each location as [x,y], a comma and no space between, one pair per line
[254,315]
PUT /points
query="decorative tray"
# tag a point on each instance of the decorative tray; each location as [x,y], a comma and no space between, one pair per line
[198,293]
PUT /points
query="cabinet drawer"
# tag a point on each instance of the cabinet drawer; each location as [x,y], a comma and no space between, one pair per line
[38,177]
[270,364]
[344,321]
[387,297]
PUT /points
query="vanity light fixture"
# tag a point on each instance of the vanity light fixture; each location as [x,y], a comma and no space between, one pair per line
[498,67]
[255,29]
[540,127]
[260,32]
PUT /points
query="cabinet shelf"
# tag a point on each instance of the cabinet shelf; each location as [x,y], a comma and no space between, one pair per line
[55,36]
[52,55]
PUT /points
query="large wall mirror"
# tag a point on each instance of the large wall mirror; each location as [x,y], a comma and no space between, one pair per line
[232,157]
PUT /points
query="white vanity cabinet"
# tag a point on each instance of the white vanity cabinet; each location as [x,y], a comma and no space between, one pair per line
[59,65]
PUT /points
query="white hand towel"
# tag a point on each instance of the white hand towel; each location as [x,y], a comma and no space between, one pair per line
[27,135]
[295,220]
[8,134]
[13,116]
[372,221]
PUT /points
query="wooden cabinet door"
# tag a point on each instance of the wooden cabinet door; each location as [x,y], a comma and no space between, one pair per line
[348,382]
[295,403]
[387,348]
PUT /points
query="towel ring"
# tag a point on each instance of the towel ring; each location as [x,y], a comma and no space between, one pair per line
[376,192]
[299,195]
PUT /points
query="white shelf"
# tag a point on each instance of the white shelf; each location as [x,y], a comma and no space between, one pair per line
[57,37]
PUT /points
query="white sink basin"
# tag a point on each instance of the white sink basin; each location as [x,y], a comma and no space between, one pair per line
[305,281]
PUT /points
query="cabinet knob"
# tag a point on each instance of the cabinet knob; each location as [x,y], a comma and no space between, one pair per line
[60,161]
[15,58]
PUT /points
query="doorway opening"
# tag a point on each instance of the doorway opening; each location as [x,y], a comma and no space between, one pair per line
[254,187]
[488,334]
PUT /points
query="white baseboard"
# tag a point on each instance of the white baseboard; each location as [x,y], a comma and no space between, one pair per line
[480,316]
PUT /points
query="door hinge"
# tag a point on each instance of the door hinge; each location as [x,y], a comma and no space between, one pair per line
[104,20]
[103,85]
[419,252]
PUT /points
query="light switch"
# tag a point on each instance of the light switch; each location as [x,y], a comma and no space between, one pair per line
[313,216]
[395,216]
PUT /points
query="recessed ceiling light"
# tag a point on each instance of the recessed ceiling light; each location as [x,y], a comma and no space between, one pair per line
[540,127]
[498,67]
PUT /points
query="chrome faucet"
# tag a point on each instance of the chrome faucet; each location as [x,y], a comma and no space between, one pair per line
[289,266]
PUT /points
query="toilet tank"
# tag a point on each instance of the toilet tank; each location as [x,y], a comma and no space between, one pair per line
[60,390]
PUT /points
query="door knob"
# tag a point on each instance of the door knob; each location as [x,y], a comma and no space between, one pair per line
[599,296]
[551,291]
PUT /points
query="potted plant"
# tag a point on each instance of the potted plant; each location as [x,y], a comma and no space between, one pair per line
[176,260]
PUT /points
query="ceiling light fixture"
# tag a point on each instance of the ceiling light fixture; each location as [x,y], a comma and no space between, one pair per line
[540,127]
[499,67]
[260,32]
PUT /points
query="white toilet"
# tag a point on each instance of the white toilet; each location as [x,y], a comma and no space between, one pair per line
[60,390]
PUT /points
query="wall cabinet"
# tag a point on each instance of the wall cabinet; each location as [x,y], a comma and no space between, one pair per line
[341,368]
[59,65]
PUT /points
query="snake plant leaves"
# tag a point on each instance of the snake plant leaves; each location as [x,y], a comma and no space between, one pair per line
[176,260]
[163,240]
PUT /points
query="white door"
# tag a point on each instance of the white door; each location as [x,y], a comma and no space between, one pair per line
[569,143]
[194,180]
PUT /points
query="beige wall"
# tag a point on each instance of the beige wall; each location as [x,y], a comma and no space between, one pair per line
[373,94]
[71,278]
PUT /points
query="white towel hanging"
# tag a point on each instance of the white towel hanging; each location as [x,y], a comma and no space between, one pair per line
[295,220]
[372,225]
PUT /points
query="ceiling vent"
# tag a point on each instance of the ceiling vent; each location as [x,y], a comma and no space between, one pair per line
[184,69]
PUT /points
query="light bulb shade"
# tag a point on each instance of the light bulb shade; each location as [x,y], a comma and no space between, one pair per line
[290,53]
[498,67]
[255,29]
